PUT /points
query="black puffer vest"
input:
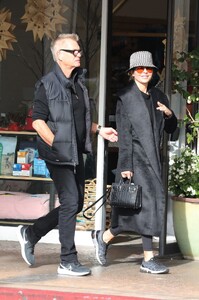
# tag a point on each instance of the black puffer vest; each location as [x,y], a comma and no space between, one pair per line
[61,120]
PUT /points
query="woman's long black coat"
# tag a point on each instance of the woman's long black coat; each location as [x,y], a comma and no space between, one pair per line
[139,152]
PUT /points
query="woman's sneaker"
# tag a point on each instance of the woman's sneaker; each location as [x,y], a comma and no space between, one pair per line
[153,266]
[100,246]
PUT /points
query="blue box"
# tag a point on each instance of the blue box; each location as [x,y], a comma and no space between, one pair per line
[39,168]
[16,171]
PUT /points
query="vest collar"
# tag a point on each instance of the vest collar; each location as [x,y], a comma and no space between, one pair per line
[67,82]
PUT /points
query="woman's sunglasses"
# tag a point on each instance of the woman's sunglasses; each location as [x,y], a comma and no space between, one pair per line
[141,69]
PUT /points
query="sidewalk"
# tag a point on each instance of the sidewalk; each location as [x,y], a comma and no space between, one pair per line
[120,278]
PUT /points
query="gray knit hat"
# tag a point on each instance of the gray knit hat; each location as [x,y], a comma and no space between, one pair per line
[141,59]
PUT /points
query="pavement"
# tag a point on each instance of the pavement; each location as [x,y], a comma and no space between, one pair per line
[120,279]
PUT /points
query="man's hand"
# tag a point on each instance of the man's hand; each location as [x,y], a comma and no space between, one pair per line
[108,133]
[44,131]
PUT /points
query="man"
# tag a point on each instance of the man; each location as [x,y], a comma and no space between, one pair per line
[61,117]
[30,235]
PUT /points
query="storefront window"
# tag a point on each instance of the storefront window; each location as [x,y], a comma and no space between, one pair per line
[26,30]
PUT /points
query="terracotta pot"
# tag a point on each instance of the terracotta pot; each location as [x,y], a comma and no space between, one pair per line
[186,223]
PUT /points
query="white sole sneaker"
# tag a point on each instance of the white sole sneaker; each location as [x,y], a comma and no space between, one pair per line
[73,270]
[23,243]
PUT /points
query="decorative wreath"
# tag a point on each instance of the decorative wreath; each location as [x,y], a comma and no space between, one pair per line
[6,36]
[43,17]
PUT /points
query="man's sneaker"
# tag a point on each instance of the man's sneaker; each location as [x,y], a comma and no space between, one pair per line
[100,246]
[27,248]
[153,266]
[73,269]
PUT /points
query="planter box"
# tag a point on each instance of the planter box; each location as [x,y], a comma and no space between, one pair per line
[186,223]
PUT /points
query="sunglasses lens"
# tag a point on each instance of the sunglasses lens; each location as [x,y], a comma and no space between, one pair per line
[76,52]
[141,69]
[149,70]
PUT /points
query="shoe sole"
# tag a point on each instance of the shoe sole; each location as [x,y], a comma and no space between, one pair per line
[21,241]
[61,271]
[94,238]
[146,270]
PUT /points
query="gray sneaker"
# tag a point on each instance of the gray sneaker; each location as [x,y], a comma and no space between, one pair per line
[153,266]
[73,269]
[27,248]
[100,246]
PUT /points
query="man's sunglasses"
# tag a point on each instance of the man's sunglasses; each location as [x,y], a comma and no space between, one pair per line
[141,69]
[74,52]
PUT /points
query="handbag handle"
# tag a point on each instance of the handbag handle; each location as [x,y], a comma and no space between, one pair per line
[125,181]
[107,193]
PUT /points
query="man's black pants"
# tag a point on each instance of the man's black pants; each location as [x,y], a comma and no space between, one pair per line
[70,189]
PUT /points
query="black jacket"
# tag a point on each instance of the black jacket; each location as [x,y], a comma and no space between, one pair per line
[61,120]
[139,152]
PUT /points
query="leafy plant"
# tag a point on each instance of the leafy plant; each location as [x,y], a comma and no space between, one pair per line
[193,125]
[188,73]
[184,174]
[185,75]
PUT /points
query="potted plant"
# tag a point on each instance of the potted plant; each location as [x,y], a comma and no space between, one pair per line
[184,185]
[184,169]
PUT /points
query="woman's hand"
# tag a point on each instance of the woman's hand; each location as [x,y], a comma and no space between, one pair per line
[127,174]
[163,108]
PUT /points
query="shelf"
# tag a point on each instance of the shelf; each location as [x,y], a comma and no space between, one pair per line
[7,132]
[2,177]
[15,222]
[22,135]
[31,178]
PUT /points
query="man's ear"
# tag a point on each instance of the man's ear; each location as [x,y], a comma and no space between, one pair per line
[60,55]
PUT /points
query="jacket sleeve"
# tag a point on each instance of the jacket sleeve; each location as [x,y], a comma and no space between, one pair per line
[40,106]
[124,128]
[171,122]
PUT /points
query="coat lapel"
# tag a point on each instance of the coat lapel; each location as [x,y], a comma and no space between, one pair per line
[138,114]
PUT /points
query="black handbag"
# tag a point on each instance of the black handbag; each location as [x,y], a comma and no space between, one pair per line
[126,194]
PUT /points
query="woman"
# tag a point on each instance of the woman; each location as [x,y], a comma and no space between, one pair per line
[141,116]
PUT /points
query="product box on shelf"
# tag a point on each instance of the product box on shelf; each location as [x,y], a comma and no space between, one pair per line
[22,170]
[32,153]
[22,157]
[7,154]
[16,170]
[26,170]
[39,167]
